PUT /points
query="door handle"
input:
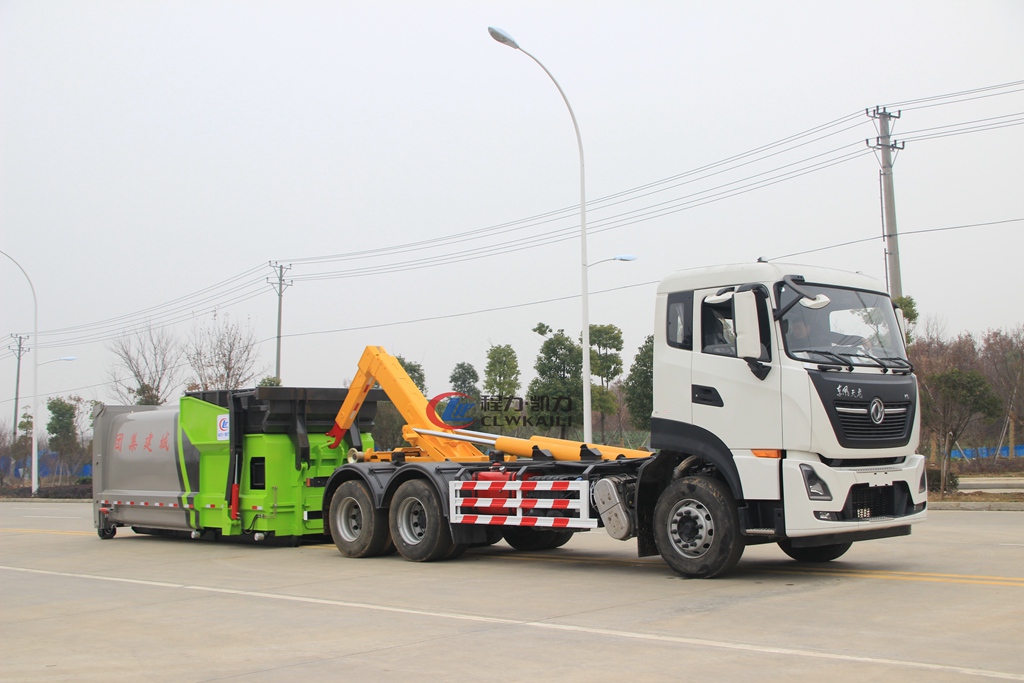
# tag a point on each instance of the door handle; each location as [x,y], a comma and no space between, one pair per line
[707,396]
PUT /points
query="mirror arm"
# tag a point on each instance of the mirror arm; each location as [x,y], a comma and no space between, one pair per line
[791,282]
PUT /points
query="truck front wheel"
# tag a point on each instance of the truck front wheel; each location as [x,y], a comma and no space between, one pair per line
[358,528]
[418,526]
[696,527]
[817,553]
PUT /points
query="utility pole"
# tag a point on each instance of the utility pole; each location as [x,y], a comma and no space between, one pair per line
[886,146]
[19,350]
[279,286]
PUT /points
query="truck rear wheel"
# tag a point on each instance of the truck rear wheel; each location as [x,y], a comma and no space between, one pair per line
[818,553]
[107,532]
[418,526]
[696,528]
[358,528]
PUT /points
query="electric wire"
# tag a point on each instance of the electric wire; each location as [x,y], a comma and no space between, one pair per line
[905,104]
[562,298]
[901,234]
[201,301]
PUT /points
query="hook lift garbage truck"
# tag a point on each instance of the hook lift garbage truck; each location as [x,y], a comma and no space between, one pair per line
[785,411]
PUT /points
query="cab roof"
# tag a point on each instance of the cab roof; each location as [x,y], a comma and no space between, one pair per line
[764,273]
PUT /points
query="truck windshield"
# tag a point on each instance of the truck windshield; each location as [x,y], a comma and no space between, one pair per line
[855,328]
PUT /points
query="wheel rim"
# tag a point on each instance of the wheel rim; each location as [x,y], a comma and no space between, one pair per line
[350,520]
[412,521]
[691,528]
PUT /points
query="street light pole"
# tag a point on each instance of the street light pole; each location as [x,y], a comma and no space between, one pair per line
[35,376]
[506,39]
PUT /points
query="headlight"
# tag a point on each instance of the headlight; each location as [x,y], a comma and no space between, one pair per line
[816,487]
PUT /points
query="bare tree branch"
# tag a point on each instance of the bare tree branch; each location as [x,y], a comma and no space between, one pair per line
[222,356]
[146,371]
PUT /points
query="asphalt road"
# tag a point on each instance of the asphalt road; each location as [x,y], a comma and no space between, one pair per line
[944,604]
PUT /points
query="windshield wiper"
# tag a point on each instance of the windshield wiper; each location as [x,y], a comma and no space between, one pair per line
[829,354]
[881,364]
[895,363]
[902,363]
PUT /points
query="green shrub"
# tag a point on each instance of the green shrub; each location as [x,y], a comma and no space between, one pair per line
[935,480]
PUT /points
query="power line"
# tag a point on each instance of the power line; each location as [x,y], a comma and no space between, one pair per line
[565,298]
[905,104]
[906,232]
[212,297]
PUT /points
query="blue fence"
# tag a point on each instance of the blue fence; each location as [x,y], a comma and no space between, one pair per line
[47,468]
[986,452]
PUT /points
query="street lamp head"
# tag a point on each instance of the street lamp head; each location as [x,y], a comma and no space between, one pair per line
[624,257]
[57,360]
[502,37]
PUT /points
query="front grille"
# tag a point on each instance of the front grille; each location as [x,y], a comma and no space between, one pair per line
[855,420]
[868,502]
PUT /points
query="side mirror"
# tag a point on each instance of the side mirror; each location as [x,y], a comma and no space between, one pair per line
[820,301]
[748,330]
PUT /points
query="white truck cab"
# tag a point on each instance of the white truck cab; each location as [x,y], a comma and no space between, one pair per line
[793,383]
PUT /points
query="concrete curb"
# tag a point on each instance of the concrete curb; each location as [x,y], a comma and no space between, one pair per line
[45,500]
[992,507]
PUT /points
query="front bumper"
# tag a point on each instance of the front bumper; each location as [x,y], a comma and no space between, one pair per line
[862,499]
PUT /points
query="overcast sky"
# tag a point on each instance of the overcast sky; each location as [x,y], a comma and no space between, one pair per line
[153,150]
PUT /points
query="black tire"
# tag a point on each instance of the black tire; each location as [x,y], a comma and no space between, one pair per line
[696,528]
[818,553]
[419,528]
[558,538]
[531,539]
[456,551]
[358,528]
[107,532]
[493,534]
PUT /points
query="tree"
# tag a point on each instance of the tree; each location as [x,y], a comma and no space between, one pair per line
[269,381]
[606,363]
[19,447]
[146,369]
[464,378]
[932,353]
[66,432]
[639,386]
[556,392]
[388,423]
[952,400]
[907,304]
[222,356]
[501,384]
[6,451]
[1002,362]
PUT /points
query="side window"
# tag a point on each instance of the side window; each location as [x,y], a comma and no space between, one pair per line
[680,320]
[718,331]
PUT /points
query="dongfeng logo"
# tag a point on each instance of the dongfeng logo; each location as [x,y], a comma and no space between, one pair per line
[877,411]
[456,410]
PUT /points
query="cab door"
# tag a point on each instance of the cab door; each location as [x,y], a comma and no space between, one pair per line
[729,399]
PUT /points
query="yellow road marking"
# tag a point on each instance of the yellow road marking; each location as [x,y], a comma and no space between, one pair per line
[922,577]
[45,531]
